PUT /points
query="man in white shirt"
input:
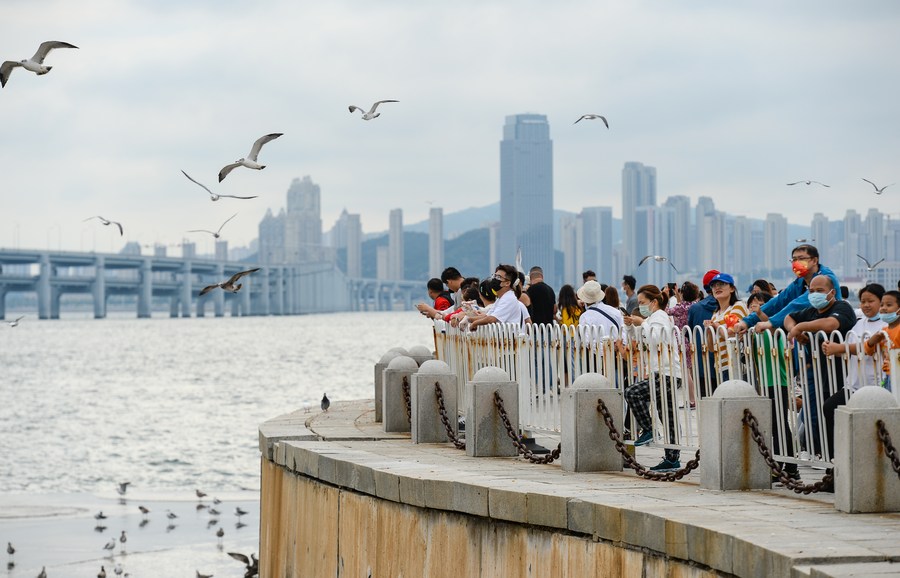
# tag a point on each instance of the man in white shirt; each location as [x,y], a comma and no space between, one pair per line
[506,309]
[598,313]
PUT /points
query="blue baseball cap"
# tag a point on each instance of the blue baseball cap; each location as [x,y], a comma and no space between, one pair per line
[723,277]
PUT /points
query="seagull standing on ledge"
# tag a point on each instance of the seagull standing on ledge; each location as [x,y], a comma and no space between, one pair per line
[213,196]
[10,550]
[658,259]
[326,403]
[250,161]
[107,222]
[592,117]
[34,64]
[371,114]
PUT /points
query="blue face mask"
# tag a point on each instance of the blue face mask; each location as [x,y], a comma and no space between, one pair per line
[819,300]
[889,317]
[645,310]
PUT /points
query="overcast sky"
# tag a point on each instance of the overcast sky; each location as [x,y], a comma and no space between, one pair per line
[729,100]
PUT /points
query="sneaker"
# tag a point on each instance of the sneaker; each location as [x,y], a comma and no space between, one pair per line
[666,466]
[645,438]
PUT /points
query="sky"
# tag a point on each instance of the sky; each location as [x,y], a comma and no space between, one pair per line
[727,100]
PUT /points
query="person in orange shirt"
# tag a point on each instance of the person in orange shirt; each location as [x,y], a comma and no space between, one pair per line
[890,335]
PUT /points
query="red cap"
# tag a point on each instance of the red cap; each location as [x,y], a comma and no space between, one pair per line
[709,276]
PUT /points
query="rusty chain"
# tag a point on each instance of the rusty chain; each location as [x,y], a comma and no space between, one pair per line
[517,441]
[406,399]
[460,444]
[826,484]
[889,450]
[632,463]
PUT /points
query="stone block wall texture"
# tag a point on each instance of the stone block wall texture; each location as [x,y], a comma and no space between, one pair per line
[312,529]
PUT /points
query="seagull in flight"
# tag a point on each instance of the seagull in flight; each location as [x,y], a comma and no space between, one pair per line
[123,487]
[36,63]
[252,563]
[229,285]
[877,190]
[15,322]
[250,160]
[658,259]
[592,117]
[371,114]
[213,196]
[869,266]
[107,222]
[215,234]
[808,183]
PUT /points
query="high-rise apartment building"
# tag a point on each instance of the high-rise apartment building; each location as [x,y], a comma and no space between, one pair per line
[295,235]
[638,190]
[852,236]
[353,230]
[435,242]
[776,242]
[526,193]
[395,245]
[742,247]
[681,216]
[596,244]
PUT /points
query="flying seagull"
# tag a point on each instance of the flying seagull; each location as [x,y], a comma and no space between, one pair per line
[592,117]
[213,196]
[326,403]
[658,259]
[123,487]
[15,322]
[869,266]
[877,190]
[808,183]
[215,234]
[251,563]
[230,284]
[250,161]
[371,114]
[36,63]
[107,222]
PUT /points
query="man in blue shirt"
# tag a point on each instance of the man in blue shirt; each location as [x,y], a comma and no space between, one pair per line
[794,297]
[698,313]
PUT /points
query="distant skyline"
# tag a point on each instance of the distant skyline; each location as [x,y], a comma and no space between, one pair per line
[730,102]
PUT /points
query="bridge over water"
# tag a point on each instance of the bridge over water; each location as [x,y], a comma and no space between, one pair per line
[288,289]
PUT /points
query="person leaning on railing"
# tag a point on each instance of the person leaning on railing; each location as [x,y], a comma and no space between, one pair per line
[890,335]
[506,309]
[665,373]
[729,311]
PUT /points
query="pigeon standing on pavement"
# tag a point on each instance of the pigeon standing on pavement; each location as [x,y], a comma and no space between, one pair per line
[326,403]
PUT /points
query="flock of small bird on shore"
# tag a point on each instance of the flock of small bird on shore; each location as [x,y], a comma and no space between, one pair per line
[251,563]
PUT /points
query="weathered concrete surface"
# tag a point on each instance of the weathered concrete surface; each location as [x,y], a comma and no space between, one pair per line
[376,502]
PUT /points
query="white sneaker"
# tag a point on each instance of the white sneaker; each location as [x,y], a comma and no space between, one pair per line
[804,455]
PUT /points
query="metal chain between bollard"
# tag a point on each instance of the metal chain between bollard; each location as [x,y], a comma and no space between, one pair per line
[517,441]
[406,399]
[460,444]
[889,450]
[632,463]
[826,483]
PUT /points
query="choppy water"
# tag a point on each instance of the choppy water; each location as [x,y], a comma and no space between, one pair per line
[172,404]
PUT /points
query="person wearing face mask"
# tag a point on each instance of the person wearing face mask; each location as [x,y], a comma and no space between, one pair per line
[861,367]
[826,314]
[889,336]
[794,297]
[506,309]
[654,324]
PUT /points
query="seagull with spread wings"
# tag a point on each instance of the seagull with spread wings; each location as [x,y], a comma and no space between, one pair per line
[34,64]
[15,322]
[107,222]
[808,183]
[214,196]
[869,266]
[658,259]
[877,190]
[217,233]
[592,117]
[250,160]
[229,285]
[371,114]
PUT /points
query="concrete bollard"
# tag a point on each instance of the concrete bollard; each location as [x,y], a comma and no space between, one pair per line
[420,354]
[586,446]
[427,427]
[485,433]
[729,458]
[379,375]
[393,401]
[864,481]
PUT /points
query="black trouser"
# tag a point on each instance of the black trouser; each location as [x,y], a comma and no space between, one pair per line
[831,404]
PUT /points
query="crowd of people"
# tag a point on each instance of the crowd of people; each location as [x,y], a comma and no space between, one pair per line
[814,304]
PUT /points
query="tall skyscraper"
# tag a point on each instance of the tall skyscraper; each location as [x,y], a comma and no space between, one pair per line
[681,215]
[353,230]
[638,190]
[295,235]
[569,245]
[742,235]
[852,235]
[874,227]
[595,233]
[395,245]
[526,192]
[776,242]
[435,242]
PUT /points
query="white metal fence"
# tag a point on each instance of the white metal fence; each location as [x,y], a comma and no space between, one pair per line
[546,359]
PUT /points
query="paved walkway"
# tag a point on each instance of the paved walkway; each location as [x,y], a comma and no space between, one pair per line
[756,533]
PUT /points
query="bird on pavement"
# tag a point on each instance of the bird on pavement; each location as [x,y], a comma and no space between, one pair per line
[326,403]
[122,539]
[371,114]
[34,64]
[171,515]
[102,573]
[658,259]
[229,285]
[123,487]
[250,160]
[251,563]
[107,222]
[214,196]
[592,117]
[239,512]
[10,550]
[200,495]
[43,573]
[144,511]
[111,545]
[100,515]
